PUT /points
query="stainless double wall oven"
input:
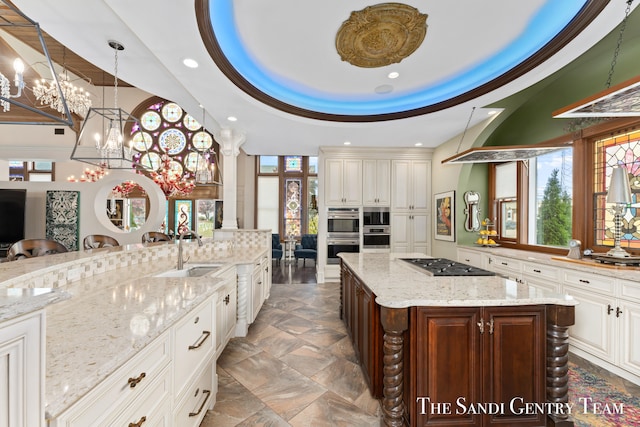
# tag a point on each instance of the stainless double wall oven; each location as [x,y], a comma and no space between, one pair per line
[343,232]
[376,232]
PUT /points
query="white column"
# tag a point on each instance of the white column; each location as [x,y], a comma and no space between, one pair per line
[230,142]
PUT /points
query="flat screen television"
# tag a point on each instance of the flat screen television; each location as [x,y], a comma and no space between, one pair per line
[12,210]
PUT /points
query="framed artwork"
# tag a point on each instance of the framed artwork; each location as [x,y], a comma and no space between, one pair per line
[445,227]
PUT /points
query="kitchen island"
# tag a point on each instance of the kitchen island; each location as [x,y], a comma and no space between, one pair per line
[472,350]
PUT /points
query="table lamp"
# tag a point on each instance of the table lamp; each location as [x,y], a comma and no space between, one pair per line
[619,194]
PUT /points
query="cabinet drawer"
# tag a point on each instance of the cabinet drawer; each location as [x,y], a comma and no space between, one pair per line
[152,409]
[200,397]
[505,264]
[537,270]
[590,281]
[194,342]
[121,388]
[630,290]
[470,257]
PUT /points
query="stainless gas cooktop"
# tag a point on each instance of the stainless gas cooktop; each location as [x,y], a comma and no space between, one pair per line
[446,267]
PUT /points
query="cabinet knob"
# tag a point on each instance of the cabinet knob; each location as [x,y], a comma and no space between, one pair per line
[490,325]
[481,325]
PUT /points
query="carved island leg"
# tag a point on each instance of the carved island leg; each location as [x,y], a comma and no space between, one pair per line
[559,318]
[394,322]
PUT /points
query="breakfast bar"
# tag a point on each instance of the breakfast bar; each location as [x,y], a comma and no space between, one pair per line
[475,349]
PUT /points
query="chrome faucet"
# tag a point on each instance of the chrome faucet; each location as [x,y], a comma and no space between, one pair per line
[181,261]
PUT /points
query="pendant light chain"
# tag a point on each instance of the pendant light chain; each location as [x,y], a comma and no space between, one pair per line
[617,50]
[115,82]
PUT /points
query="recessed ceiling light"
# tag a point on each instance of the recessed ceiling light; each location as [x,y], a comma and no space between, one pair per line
[191,63]
[382,89]
[232,119]
[347,143]
[418,144]
[393,75]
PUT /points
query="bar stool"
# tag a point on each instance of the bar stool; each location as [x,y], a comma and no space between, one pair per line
[95,241]
[155,236]
[29,248]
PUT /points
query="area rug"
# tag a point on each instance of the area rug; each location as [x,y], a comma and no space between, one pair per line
[598,403]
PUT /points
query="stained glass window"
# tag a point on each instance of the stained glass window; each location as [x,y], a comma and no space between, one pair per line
[622,151]
[292,207]
[293,163]
[183,216]
[166,129]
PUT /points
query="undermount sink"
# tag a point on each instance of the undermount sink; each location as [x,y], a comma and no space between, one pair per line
[190,271]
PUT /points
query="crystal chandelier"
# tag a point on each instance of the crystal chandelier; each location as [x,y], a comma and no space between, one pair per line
[170,181]
[5,86]
[90,175]
[47,93]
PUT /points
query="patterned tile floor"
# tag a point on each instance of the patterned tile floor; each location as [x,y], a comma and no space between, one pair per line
[296,367]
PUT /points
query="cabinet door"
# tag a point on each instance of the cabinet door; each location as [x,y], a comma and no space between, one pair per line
[376,175]
[21,377]
[352,182]
[470,257]
[447,364]
[419,232]
[630,337]
[333,182]
[593,329]
[514,361]
[400,237]
[401,185]
[420,185]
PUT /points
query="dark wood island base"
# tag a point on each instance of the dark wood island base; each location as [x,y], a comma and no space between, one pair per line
[454,366]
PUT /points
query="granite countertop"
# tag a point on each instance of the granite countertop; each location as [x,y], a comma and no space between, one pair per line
[397,285]
[588,265]
[15,302]
[110,317]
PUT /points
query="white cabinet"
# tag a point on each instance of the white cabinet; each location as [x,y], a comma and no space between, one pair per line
[594,329]
[410,233]
[630,347]
[541,276]
[194,339]
[200,398]
[508,267]
[376,182]
[22,371]
[410,185]
[147,373]
[471,257]
[343,182]
[226,310]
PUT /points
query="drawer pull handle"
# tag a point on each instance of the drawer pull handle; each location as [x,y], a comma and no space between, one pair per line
[204,402]
[134,381]
[609,309]
[618,312]
[467,260]
[481,325]
[201,340]
[490,325]
[536,271]
[226,300]
[139,423]
[584,281]
[504,263]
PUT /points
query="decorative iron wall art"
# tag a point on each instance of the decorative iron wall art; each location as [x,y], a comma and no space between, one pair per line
[63,217]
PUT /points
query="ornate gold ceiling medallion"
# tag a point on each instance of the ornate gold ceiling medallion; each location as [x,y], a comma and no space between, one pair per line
[380,35]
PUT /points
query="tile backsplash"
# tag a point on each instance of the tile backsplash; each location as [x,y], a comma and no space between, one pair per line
[62,269]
